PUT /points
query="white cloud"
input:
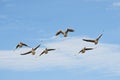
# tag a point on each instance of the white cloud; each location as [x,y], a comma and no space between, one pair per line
[116,4]
[103,57]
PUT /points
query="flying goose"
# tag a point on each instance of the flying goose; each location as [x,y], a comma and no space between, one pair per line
[84,50]
[93,41]
[21,44]
[64,33]
[32,51]
[46,51]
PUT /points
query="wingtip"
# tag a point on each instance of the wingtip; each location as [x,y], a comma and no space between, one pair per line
[21,54]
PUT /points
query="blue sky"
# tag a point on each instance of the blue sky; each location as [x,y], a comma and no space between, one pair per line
[31,21]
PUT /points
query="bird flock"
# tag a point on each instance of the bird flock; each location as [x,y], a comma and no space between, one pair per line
[65,34]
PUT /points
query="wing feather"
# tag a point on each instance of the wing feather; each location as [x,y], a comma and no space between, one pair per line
[26,53]
[99,37]
[24,44]
[69,30]
[88,48]
[17,46]
[59,32]
[51,49]
[37,47]
[88,40]
[42,53]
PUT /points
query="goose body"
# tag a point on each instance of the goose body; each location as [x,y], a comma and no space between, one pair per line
[85,49]
[64,33]
[46,51]
[32,51]
[21,44]
[95,41]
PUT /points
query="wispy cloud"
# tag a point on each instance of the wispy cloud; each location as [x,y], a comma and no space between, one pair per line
[117,4]
[103,57]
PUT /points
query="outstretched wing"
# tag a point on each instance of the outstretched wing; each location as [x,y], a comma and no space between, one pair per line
[88,48]
[21,44]
[37,47]
[80,51]
[24,44]
[88,40]
[26,53]
[17,46]
[51,49]
[42,53]
[69,30]
[99,37]
[59,32]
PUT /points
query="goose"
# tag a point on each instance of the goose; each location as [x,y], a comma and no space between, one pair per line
[95,41]
[32,51]
[84,50]
[21,44]
[64,33]
[46,51]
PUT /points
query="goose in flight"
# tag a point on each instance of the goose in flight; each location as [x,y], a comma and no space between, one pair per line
[95,41]
[21,44]
[64,33]
[85,49]
[46,51]
[32,51]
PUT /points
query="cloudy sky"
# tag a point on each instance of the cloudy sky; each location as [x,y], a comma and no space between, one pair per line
[37,21]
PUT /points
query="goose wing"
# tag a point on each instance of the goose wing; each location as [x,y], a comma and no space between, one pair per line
[88,40]
[21,43]
[42,53]
[88,48]
[37,47]
[81,51]
[51,49]
[24,44]
[17,46]
[26,53]
[69,30]
[59,32]
[99,37]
